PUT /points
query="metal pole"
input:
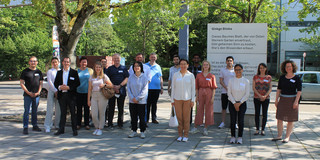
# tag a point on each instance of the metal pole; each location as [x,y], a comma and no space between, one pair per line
[184,35]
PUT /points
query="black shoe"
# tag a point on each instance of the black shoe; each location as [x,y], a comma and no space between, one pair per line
[155,122]
[36,128]
[58,133]
[256,133]
[25,131]
[147,126]
[263,133]
[75,133]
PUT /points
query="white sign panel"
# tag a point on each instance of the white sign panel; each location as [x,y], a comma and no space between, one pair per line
[246,42]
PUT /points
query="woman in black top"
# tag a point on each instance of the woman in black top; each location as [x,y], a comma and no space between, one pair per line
[289,91]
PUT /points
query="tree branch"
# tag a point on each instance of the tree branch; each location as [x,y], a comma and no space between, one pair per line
[124,4]
[256,8]
[48,15]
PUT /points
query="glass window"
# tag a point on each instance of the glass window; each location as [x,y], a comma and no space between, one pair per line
[310,78]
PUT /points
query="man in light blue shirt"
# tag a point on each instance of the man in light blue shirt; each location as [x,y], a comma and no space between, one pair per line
[173,69]
[155,87]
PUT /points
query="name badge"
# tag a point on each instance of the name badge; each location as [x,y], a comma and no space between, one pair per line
[179,79]
[292,80]
[242,84]
[199,71]
[208,79]
[265,80]
[36,74]
[71,78]
[86,74]
[120,71]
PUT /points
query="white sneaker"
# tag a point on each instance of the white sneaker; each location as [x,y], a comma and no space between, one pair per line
[142,135]
[221,125]
[99,132]
[95,132]
[237,126]
[133,134]
[232,140]
[205,131]
[239,140]
[179,139]
[48,130]
[194,130]
[185,139]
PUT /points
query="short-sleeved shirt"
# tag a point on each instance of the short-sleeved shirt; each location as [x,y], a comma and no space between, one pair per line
[84,76]
[226,74]
[289,86]
[205,82]
[195,70]
[156,74]
[117,75]
[262,85]
[96,82]
[32,80]
[172,71]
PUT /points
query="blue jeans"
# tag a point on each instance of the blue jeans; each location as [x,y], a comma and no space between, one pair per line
[34,102]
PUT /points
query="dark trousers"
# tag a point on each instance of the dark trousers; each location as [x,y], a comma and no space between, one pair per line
[153,96]
[67,100]
[82,102]
[257,107]
[137,111]
[234,115]
[112,104]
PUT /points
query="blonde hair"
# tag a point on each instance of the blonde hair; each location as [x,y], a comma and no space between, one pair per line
[209,65]
[95,74]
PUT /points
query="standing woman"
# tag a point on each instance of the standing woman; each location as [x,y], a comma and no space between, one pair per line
[96,99]
[262,87]
[238,94]
[289,91]
[182,98]
[138,93]
[205,90]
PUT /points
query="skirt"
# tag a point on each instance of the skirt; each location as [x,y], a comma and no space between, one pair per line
[285,111]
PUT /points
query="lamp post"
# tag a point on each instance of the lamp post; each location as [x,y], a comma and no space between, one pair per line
[184,35]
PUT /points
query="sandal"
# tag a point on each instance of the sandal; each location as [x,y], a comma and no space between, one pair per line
[257,133]
[276,139]
[87,127]
[262,133]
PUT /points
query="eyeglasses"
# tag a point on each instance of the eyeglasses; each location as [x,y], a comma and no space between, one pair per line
[33,61]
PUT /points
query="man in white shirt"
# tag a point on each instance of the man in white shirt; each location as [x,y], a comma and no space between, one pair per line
[225,75]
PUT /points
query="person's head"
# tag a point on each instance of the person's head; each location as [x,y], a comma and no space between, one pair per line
[176,60]
[137,67]
[55,62]
[139,57]
[229,61]
[262,68]
[206,66]
[288,66]
[238,69]
[98,70]
[103,62]
[196,58]
[66,63]
[83,62]
[116,59]
[33,62]
[184,64]
[153,57]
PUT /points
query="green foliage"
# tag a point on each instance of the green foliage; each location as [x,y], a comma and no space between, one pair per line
[165,72]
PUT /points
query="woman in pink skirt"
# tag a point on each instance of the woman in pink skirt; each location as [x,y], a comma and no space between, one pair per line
[205,90]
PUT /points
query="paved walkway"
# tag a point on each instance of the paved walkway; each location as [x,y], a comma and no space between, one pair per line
[160,142]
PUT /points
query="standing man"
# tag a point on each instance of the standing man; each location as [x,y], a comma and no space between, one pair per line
[195,68]
[118,75]
[52,101]
[31,81]
[82,93]
[67,81]
[146,69]
[155,87]
[104,65]
[175,68]
[225,75]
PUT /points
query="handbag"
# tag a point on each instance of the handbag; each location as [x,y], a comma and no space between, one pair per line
[173,122]
[107,92]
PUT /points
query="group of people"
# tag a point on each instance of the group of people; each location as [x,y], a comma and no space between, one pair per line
[187,86]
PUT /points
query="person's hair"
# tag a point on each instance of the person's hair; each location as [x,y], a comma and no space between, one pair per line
[33,57]
[103,59]
[139,54]
[209,65]
[238,65]
[140,65]
[83,58]
[283,66]
[196,55]
[183,60]
[54,58]
[66,58]
[153,54]
[265,66]
[116,54]
[174,56]
[230,57]
[95,74]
